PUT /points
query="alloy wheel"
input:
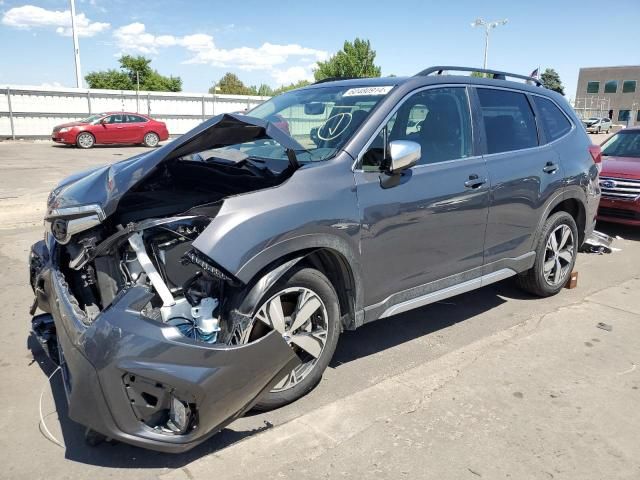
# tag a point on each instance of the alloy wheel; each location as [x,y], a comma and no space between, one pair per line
[559,253]
[151,139]
[85,140]
[301,317]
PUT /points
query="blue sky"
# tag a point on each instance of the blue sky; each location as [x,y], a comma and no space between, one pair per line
[279,42]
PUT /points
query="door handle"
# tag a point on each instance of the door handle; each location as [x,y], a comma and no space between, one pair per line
[550,167]
[475,181]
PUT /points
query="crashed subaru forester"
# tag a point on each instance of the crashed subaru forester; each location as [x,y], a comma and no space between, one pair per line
[189,284]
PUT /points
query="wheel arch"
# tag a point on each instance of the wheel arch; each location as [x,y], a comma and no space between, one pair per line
[333,263]
[571,201]
[82,132]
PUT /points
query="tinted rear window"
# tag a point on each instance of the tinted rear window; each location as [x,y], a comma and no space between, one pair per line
[554,123]
[508,120]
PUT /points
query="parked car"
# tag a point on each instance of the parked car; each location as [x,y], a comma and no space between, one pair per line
[620,178]
[214,274]
[598,125]
[110,128]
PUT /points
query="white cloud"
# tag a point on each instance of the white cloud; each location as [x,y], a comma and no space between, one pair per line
[134,38]
[30,16]
[292,75]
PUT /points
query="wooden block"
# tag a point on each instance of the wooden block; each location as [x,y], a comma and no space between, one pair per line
[573,280]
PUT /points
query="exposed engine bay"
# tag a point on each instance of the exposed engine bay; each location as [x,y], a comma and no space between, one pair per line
[146,243]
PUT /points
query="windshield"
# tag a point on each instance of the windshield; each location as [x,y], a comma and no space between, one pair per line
[92,118]
[320,119]
[623,144]
[593,119]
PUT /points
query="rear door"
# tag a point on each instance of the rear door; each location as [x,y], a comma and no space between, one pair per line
[432,224]
[523,171]
[136,128]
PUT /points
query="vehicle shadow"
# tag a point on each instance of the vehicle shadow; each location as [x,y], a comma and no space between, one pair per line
[370,339]
[367,340]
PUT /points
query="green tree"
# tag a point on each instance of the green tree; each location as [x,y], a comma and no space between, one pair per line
[231,85]
[551,80]
[110,80]
[355,60]
[292,86]
[131,70]
[477,74]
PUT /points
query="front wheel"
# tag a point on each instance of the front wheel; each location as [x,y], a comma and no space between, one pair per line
[303,307]
[555,257]
[151,140]
[85,140]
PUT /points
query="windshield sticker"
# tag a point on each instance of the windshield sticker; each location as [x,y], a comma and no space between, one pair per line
[355,92]
[335,126]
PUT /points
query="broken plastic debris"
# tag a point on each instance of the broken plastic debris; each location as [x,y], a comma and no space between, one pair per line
[600,243]
[604,326]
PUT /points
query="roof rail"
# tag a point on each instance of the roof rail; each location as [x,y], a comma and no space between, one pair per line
[332,79]
[495,74]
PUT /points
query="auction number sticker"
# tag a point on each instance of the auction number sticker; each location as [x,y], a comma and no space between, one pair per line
[355,92]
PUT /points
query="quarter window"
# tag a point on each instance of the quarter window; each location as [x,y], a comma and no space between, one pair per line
[554,122]
[593,87]
[438,119]
[611,86]
[628,86]
[623,115]
[508,120]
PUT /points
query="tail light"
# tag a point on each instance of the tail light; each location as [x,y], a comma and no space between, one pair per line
[596,155]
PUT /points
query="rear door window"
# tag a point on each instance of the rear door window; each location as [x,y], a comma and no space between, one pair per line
[508,120]
[554,123]
[136,119]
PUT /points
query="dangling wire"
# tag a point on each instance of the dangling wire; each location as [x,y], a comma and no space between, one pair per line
[49,436]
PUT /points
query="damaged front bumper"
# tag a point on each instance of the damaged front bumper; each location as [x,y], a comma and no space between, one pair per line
[138,380]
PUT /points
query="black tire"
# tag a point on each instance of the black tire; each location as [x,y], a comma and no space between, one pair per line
[151,140]
[533,280]
[85,140]
[317,282]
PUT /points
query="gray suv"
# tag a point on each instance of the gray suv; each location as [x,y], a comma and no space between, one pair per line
[188,284]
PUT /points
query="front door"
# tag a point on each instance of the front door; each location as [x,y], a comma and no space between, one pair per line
[432,224]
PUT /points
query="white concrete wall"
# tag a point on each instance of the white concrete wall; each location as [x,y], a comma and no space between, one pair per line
[36,110]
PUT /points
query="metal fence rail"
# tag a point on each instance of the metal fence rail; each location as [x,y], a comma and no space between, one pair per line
[32,112]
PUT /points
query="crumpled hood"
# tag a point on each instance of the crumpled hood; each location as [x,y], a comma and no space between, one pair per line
[105,186]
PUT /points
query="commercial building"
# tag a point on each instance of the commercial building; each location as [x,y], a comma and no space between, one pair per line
[612,92]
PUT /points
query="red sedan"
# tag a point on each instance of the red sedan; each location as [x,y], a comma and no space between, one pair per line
[620,178]
[112,127]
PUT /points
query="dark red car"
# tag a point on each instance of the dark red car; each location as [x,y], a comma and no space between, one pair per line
[620,178]
[111,127]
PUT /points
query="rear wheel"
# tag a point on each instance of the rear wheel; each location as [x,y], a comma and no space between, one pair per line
[151,140]
[555,257]
[85,140]
[303,307]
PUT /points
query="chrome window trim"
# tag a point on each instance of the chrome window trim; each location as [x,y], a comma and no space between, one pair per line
[384,122]
[473,132]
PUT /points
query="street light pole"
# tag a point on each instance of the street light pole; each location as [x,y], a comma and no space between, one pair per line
[76,45]
[488,26]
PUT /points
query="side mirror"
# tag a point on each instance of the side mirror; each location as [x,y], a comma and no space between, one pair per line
[104,121]
[404,154]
